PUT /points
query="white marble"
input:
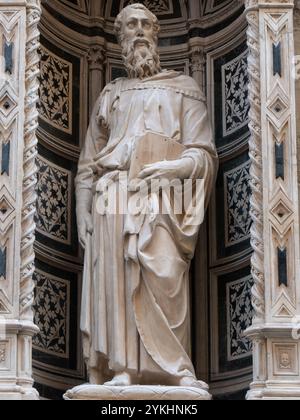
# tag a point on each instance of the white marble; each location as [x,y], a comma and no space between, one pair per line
[275,208]
[135,392]
[18,120]
[135,308]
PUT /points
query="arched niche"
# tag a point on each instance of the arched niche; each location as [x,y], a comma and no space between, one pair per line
[79,55]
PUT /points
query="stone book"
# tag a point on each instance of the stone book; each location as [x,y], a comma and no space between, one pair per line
[152,148]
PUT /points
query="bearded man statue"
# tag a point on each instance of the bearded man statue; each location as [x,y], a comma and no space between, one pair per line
[135,315]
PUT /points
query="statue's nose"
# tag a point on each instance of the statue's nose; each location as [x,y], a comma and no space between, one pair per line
[140,32]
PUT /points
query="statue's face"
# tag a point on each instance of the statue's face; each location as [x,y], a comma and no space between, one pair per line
[138,28]
[285,360]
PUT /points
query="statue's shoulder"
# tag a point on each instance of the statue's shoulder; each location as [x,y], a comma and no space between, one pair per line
[185,85]
[188,83]
[114,84]
[110,91]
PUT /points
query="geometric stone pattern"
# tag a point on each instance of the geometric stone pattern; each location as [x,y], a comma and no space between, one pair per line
[11,109]
[53,204]
[237,205]
[51,314]
[281,204]
[239,314]
[236,104]
[56,91]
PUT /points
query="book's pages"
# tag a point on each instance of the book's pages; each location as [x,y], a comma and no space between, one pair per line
[152,148]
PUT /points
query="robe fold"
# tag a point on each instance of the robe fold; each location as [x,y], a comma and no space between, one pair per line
[135,304]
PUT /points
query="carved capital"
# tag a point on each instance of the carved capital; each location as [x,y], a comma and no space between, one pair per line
[198,59]
[96,58]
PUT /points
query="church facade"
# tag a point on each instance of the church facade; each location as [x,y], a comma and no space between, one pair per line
[55,58]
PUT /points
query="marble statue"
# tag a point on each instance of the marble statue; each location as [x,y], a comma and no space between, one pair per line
[135,315]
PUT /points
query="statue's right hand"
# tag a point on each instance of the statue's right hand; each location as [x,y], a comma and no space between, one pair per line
[85,227]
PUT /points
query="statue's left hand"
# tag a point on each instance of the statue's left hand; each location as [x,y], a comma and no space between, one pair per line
[168,169]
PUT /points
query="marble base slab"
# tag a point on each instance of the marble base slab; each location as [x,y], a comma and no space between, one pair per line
[135,392]
[18,393]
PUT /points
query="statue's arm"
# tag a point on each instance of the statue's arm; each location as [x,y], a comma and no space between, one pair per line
[95,140]
[197,136]
[200,158]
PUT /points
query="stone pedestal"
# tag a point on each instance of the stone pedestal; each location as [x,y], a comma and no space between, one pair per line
[135,393]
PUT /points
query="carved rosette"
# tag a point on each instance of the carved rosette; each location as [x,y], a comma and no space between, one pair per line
[29,165]
[256,170]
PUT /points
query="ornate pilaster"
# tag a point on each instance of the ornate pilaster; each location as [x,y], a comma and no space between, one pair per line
[274,210]
[18,121]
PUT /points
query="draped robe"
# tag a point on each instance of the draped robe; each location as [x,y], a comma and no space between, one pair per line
[135,304]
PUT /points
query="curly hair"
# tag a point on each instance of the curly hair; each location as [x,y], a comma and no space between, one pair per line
[135,6]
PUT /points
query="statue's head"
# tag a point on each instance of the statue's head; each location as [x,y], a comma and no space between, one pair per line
[137,30]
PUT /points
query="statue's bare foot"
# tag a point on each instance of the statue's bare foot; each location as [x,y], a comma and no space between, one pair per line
[120,379]
[190,381]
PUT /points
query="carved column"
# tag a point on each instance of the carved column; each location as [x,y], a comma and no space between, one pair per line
[198,61]
[96,58]
[18,121]
[274,210]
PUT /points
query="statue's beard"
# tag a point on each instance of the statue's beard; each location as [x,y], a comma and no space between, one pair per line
[141,61]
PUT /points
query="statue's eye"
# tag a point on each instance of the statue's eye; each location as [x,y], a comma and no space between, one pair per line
[147,25]
[131,25]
